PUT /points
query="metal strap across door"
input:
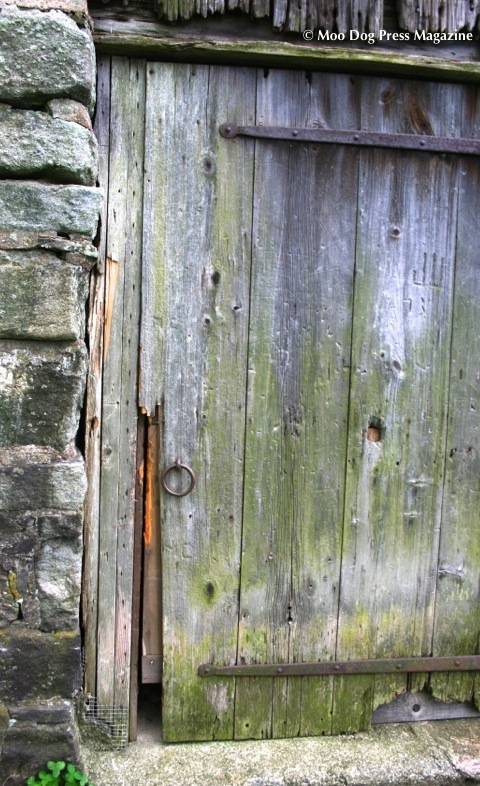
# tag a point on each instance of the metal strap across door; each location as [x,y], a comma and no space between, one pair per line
[423,143]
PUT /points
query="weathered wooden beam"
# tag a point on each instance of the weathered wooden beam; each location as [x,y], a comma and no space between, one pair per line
[166,45]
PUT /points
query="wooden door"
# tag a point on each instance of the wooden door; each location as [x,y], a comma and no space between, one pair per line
[310,335]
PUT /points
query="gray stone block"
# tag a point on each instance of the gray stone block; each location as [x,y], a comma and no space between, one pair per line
[34,144]
[56,58]
[43,297]
[32,478]
[70,110]
[58,572]
[37,665]
[41,392]
[37,207]
[32,739]
[40,561]
[45,712]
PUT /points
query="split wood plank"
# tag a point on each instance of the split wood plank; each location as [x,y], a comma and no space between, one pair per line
[119,428]
[305,203]
[457,613]
[197,271]
[398,399]
[94,394]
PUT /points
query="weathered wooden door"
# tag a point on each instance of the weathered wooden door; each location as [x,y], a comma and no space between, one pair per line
[311,334]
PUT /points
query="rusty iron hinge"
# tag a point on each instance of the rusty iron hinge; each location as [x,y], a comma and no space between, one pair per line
[322,668]
[428,144]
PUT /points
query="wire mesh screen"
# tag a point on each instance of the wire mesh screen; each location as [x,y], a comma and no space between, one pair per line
[111,722]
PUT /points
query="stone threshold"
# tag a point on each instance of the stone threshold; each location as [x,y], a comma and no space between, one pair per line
[437,753]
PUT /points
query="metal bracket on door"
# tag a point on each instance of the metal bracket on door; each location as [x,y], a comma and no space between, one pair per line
[427,144]
[323,668]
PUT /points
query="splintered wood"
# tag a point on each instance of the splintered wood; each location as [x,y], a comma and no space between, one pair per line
[288,15]
[339,17]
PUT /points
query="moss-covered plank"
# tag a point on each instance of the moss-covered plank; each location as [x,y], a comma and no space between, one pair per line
[305,204]
[197,239]
[398,399]
[163,42]
[457,613]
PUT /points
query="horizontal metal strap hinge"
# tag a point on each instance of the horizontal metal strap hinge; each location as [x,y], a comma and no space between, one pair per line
[322,668]
[429,144]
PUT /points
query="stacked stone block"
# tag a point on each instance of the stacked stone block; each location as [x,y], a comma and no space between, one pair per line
[49,207]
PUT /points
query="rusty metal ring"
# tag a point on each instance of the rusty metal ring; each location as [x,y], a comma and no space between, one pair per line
[178,465]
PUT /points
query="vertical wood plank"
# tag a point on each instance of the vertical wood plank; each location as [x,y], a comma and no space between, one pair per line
[197,268]
[115,263]
[457,613]
[152,571]
[137,576]
[298,376]
[94,393]
[119,428]
[130,336]
[398,401]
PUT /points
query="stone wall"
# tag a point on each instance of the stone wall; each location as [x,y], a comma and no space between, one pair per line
[48,217]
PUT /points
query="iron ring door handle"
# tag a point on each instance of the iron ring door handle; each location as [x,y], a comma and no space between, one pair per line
[178,466]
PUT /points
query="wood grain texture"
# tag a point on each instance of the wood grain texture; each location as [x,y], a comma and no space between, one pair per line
[197,270]
[94,395]
[400,367]
[289,16]
[297,316]
[298,379]
[432,15]
[242,44]
[119,432]
[457,613]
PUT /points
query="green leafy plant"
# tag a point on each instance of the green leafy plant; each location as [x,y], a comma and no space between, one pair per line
[59,774]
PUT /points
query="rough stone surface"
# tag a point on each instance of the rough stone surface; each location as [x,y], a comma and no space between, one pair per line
[56,58]
[66,109]
[58,574]
[43,712]
[34,478]
[41,392]
[36,734]
[30,206]
[43,297]
[34,144]
[40,562]
[390,755]
[36,665]
[78,8]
